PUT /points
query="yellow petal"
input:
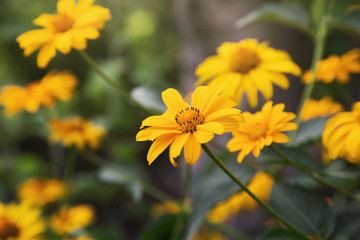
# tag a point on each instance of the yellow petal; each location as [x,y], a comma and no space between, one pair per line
[178,144]
[203,98]
[173,101]
[192,150]
[63,42]
[215,127]
[46,53]
[158,146]
[203,136]
[44,20]
[65,6]
[285,66]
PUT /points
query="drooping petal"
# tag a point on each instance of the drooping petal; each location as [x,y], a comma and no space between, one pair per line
[46,53]
[159,145]
[192,150]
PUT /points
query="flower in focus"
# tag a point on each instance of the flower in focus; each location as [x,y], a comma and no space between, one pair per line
[261,185]
[261,129]
[188,126]
[71,219]
[336,68]
[247,66]
[75,131]
[69,28]
[82,237]
[20,222]
[341,135]
[41,191]
[55,85]
[319,108]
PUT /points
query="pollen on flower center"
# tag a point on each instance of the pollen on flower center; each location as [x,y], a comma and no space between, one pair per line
[257,132]
[243,60]
[8,230]
[188,118]
[62,23]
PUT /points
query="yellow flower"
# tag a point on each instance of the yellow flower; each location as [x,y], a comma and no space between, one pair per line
[55,85]
[165,208]
[261,185]
[247,66]
[336,68]
[261,129]
[20,222]
[41,191]
[75,131]
[341,136]
[319,108]
[208,234]
[82,237]
[69,28]
[71,219]
[188,126]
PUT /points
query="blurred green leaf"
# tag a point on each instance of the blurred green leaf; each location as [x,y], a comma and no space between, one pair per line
[149,98]
[159,229]
[126,175]
[348,221]
[213,188]
[310,131]
[282,234]
[296,154]
[349,24]
[287,13]
[342,169]
[304,209]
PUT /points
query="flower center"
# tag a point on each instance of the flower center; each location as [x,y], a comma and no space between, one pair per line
[8,230]
[243,60]
[258,131]
[188,119]
[62,23]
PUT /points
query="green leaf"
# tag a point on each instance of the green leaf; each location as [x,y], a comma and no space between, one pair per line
[304,209]
[348,221]
[342,169]
[212,189]
[287,13]
[126,175]
[349,24]
[310,131]
[149,98]
[159,229]
[282,234]
[296,154]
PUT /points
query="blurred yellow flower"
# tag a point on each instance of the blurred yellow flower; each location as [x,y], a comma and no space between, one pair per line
[83,237]
[75,131]
[336,68]
[206,233]
[341,135]
[20,222]
[55,85]
[247,66]
[41,191]
[261,185]
[69,28]
[261,129]
[163,208]
[71,219]
[188,126]
[319,108]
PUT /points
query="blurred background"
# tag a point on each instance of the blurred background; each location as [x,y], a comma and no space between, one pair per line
[148,46]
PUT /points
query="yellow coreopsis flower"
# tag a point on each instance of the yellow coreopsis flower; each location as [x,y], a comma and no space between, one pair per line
[41,191]
[341,136]
[83,237]
[261,185]
[55,85]
[71,219]
[20,222]
[69,28]
[336,68]
[261,129]
[75,131]
[247,66]
[188,126]
[319,108]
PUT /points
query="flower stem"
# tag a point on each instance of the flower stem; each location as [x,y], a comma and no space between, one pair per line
[146,187]
[319,45]
[110,81]
[181,217]
[253,196]
[313,175]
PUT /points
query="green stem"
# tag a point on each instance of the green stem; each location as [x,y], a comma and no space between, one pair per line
[319,45]
[313,175]
[253,196]
[147,188]
[181,217]
[70,169]
[110,81]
